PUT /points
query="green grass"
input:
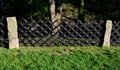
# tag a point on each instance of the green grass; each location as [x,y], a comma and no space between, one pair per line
[60,58]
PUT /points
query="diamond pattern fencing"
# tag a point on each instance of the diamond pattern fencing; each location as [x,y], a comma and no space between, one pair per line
[36,32]
[3,33]
[71,33]
[115,38]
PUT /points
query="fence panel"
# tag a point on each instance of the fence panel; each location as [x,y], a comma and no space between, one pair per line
[36,32]
[115,38]
[3,33]
[71,33]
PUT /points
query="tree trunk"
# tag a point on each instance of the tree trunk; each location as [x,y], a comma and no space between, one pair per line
[81,10]
[55,15]
[52,10]
[58,10]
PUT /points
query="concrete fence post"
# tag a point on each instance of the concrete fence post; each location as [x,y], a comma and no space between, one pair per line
[107,35]
[12,32]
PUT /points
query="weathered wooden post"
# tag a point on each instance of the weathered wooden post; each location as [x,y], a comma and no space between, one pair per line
[12,32]
[107,35]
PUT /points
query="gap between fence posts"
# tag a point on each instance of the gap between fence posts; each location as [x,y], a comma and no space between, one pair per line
[107,35]
[12,32]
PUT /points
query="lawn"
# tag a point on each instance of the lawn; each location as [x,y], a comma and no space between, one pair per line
[60,58]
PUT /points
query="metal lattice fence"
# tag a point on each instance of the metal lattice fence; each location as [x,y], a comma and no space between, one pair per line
[3,33]
[115,36]
[36,32]
[70,33]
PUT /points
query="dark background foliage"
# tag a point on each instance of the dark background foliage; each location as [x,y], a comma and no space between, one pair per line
[93,9]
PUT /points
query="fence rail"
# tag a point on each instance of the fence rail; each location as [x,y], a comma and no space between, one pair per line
[36,32]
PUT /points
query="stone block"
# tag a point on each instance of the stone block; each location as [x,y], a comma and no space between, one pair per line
[12,32]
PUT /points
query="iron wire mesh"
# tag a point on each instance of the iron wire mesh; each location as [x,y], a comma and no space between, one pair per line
[72,33]
[36,32]
[115,36]
[3,33]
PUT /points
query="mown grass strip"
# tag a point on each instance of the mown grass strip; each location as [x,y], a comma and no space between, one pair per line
[60,58]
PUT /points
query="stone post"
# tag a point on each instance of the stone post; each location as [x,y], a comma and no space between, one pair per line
[12,32]
[107,35]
